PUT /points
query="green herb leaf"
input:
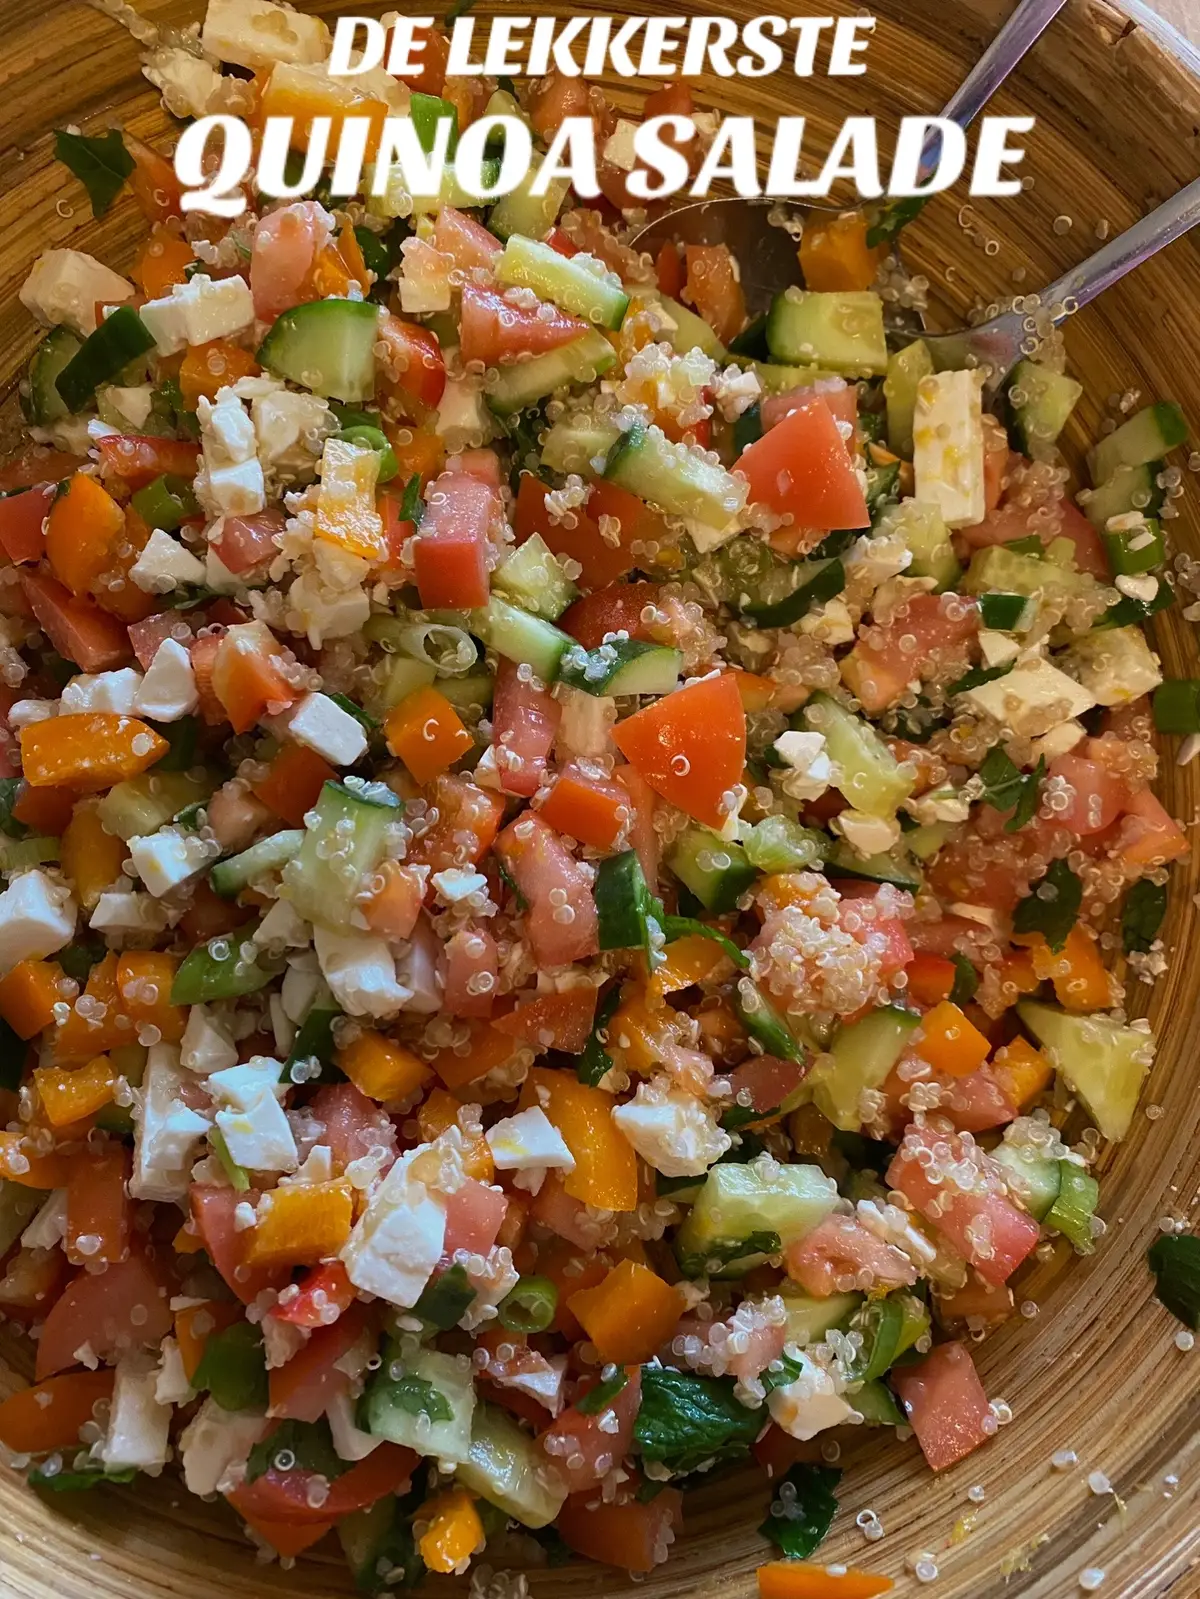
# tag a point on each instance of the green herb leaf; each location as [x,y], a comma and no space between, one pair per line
[1056,914]
[595,1061]
[78,958]
[552,1542]
[724,1251]
[686,926]
[445,1299]
[685,1421]
[100,162]
[602,1395]
[296,1446]
[802,1510]
[1175,1262]
[966,980]
[890,218]
[233,1368]
[1007,788]
[10,788]
[418,1397]
[789,1370]
[1142,915]
[976,678]
[412,506]
[68,1482]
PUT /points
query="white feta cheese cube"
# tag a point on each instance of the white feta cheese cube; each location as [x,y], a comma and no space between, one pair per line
[997,649]
[1031,699]
[257,34]
[260,1138]
[167,858]
[28,713]
[618,148]
[418,970]
[948,446]
[674,1132]
[811,1404]
[226,431]
[206,1045]
[164,565]
[215,1442]
[291,429]
[462,413]
[198,311]
[1115,665]
[283,925]
[165,1130]
[168,690]
[322,725]
[939,805]
[1060,740]
[187,83]
[587,722]
[49,1227]
[322,612]
[810,771]
[139,1426]
[361,973]
[241,1087]
[869,835]
[830,623]
[301,985]
[65,286]
[37,917]
[528,1140]
[455,884]
[171,1385]
[119,912]
[706,537]
[134,404]
[232,490]
[282,1026]
[398,1240]
[103,691]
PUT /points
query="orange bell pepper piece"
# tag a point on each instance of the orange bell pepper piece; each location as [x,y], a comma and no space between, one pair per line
[630,1315]
[835,255]
[692,959]
[83,1037]
[195,1325]
[800,1579]
[628,1535]
[89,751]
[91,856]
[28,996]
[163,262]
[1081,982]
[552,1021]
[593,812]
[1021,1071]
[99,1209]
[383,1069]
[989,1303]
[246,678]
[293,782]
[209,367]
[351,253]
[427,733]
[50,1414]
[68,1095]
[346,514]
[605,1172]
[635,1028]
[298,92]
[144,979]
[287,1538]
[930,978]
[82,530]
[757,692]
[1017,976]
[394,903]
[950,1042]
[19,1163]
[419,452]
[454,1531]
[485,1049]
[300,1224]
[439,1111]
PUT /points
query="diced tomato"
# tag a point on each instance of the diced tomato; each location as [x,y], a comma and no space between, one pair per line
[803,469]
[147,635]
[38,464]
[209,916]
[525,720]
[287,242]
[293,782]
[643,836]
[245,544]
[578,537]
[213,1218]
[553,1020]
[354,1124]
[930,978]
[981,1222]
[284,1496]
[859,914]
[669,270]
[115,1310]
[615,609]
[928,629]
[474,1215]
[471,954]
[591,1441]
[946,1406]
[1090,554]
[841,398]
[156,189]
[714,289]
[540,865]
[139,460]
[413,363]
[78,629]
[840,1248]
[431,49]
[246,678]
[467,242]
[555,98]
[977,1102]
[98,1206]
[768,1081]
[450,552]
[494,330]
[1148,835]
[483,464]
[1094,795]
[323,1287]
[633,1536]
[468,819]
[45,810]
[690,746]
[303,1386]
[22,522]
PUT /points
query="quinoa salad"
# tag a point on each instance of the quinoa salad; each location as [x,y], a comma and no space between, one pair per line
[570,857]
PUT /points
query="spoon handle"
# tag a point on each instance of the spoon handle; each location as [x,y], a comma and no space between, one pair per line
[1084,282]
[1019,34]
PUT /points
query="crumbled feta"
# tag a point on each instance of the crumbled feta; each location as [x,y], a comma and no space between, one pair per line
[323,612]
[673,1131]
[105,691]
[187,83]
[139,1425]
[119,912]
[283,925]
[529,1143]
[301,985]
[1031,699]
[215,1442]
[164,564]
[260,1138]
[869,835]
[28,713]
[198,311]
[399,1238]
[258,34]
[240,1087]
[997,649]
[1059,740]
[167,858]
[1115,665]
[134,404]
[948,446]
[462,415]
[811,1403]
[168,690]
[322,725]
[982,915]
[587,722]
[171,1385]
[810,771]
[207,1045]
[456,884]
[1142,587]
[830,623]
[65,286]
[165,1130]
[49,1227]
[939,805]
[361,973]
[37,917]
[290,430]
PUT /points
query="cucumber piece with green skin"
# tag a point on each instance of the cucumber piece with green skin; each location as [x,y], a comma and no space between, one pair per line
[928,538]
[530,215]
[840,331]
[1146,437]
[860,1058]
[809,1319]
[777,844]
[740,1202]
[327,874]
[763,1022]
[623,666]
[272,854]
[689,332]
[579,443]
[1130,488]
[569,283]
[1072,1212]
[508,1469]
[220,970]
[390,1403]
[882,489]
[777,379]
[142,805]
[1137,549]
[1040,402]
[876,1404]
[452,191]
[889,1327]
[44,404]
[1102,1062]
[893,867]
[314,1039]
[1033,1180]
[717,873]
[405,677]
[425,112]
[521,637]
[117,342]
[1004,612]
[868,774]
[905,370]
[625,908]
[472,693]
[673,477]
[1012,571]
[379,1548]
[924,842]
[325,346]
[790,592]
[738,572]
[523,383]
[532,577]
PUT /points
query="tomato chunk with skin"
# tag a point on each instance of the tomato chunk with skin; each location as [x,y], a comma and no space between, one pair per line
[246,543]
[450,550]
[413,362]
[631,1536]
[494,330]
[615,609]
[982,1223]
[213,1218]
[541,865]
[690,746]
[115,1310]
[21,522]
[286,244]
[914,643]
[78,629]
[467,242]
[714,289]
[840,397]
[285,1498]
[525,720]
[575,1434]
[946,1406]
[803,469]
[303,1386]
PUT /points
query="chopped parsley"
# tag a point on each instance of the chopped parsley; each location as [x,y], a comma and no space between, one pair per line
[1052,905]
[802,1510]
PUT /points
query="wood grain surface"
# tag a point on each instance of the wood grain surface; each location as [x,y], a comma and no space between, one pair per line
[1096,1369]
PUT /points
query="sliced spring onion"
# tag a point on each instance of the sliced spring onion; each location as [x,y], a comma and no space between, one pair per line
[530,1306]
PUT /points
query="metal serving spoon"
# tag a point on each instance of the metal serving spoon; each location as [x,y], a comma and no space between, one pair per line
[765,251]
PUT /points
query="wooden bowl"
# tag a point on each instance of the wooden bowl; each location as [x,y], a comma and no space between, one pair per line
[1096,1369]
